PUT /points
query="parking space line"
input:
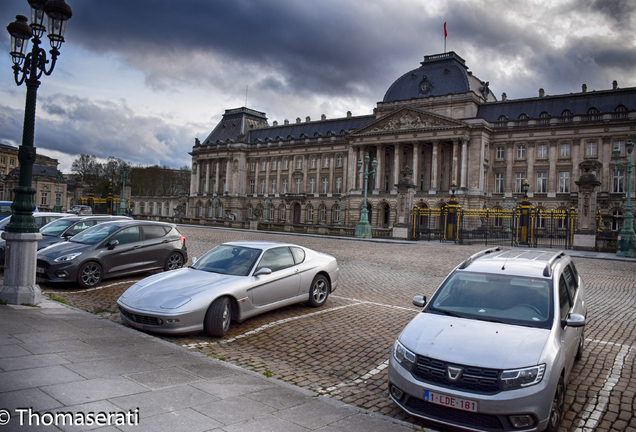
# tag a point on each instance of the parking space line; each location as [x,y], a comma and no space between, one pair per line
[377,304]
[597,406]
[359,380]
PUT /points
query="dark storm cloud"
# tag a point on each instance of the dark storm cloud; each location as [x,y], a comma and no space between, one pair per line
[619,11]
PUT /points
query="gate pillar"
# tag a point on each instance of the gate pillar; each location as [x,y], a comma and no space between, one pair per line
[524,231]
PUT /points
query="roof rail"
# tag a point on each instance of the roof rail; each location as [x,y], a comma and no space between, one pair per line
[473,257]
[547,271]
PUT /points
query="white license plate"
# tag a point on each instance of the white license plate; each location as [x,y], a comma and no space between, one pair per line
[451,401]
[39,270]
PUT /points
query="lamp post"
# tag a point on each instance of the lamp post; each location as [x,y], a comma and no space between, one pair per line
[22,232]
[363,229]
[59,177]
[124,171]
[625,243]
[267,201]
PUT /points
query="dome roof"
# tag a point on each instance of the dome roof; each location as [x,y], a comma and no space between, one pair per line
[439,75]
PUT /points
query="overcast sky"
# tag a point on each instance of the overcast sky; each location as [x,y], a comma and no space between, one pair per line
[139,80]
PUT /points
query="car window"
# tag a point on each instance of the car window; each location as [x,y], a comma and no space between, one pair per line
[227,259]
[95,234]
[299,254]
[56,227]
[154,231]
[571,280]
[127,235]
[276,259]
[564,298]
[495,297]
[79,227]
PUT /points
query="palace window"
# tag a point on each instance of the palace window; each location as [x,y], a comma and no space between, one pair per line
[273,189]
[274,164]
[282,212]
[325,185]
[565,150]
[285,163]
[519,180]
[542,151]
[338,184]
[250,211]
[335,214]
[564,182]
[12,162]
[251,187]
[325,162]
[521,151]
[199,209]
[45,199]
[499,183]
[616,220]
[618,181]
[3,160]
[621,146]
[253,166]
[313,162]
[262,189]
[501,153]
[312,185]
[298,185]
[590,149]
[542,182]
[310,213]
[284,186]
[323,214]
[263,165]
[339,161]
[299,163]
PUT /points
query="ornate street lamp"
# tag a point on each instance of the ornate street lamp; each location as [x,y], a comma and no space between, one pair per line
[22,232]
[625,243]
[215,202]
[363,229]
[267,201]
[59,177]
[124,171]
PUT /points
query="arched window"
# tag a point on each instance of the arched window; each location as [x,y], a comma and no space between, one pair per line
[335,214]
[310,213]
[323,214]
[592,110]
[200,210]
[282,212]
[502,118]
[544,117]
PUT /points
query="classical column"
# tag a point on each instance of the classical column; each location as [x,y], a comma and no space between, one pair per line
[217,174]
[605,155]
[455,167]
[417,150]
[279,186]
[193,179]
[577,158]
[267,185]
[318,168]
[207,177]
[228,174]
[332,163]
[379,175]
[510,160]
[434,166]
[464,163]
[351,168]
[530,170]
[256,174]
[396,166]
[360,174]
[552,174]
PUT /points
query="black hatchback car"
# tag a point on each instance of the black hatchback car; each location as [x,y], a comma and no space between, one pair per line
[114,248]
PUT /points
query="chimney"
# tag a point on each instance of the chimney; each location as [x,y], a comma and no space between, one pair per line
[286,122]
[297,119]
[541,93]
[504,97]
[323,117]
[275,123]
[584,88]
[307,119]
[348,113]
[614,85]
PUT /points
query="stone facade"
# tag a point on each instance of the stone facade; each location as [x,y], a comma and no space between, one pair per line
[441,121]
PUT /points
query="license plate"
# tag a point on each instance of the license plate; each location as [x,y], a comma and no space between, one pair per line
[451,401]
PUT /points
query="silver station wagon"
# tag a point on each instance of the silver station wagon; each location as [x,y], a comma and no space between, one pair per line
[494,347]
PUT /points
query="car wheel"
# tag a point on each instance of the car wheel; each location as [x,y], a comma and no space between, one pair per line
[218,317]
[558,404]
[89,274]
[174,261]
[319,291]
[579,352]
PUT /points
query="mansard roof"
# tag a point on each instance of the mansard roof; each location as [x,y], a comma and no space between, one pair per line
[439,75]
[319,128]
[236,122]
[605,101]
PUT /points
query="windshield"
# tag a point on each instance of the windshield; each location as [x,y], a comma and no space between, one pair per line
[56,227]
[231,260]
[498,298]
[95,234]
[4,222]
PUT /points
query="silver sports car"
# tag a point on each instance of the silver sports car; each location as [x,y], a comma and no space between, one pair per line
[232,282]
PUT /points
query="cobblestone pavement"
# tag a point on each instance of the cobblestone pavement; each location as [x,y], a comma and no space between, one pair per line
[341,350]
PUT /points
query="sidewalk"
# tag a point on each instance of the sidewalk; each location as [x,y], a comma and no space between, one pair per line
[57,360]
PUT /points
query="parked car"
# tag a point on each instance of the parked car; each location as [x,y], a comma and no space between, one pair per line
[494,347]
[113,248]
[232,282]
[80,210]
[5,208]
[63,229]
[41,218]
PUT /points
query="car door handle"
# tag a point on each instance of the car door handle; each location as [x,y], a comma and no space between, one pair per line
[137,247]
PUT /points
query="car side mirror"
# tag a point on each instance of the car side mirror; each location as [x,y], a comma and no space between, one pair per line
[419,301]
[263,271]
[574,320]
[112,244]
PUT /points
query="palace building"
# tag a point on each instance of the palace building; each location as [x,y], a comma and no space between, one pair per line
[440,122]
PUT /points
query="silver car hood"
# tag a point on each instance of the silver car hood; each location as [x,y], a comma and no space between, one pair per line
[152,292]
[476,343]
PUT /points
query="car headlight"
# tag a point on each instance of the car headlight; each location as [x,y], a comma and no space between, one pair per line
[403,356]
[519,378]
[68,257]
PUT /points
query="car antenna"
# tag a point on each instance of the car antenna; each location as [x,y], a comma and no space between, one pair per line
[503,267]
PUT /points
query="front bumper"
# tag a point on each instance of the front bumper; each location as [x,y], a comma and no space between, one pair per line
[56,272]
[494,410]
[169,323]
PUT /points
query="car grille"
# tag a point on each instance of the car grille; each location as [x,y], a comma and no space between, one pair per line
[43,264]
[442,413]
[140,319]
[474,379]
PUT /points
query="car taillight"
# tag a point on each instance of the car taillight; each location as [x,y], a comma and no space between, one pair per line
[182,238]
